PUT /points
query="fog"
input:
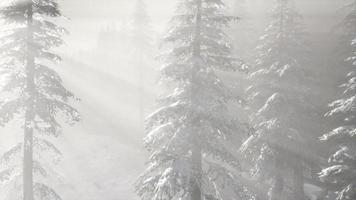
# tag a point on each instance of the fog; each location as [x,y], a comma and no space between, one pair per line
[104,153]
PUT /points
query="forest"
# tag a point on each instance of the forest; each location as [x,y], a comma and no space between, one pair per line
[178,99]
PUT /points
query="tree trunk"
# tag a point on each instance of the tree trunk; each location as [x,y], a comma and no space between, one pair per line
[196,151]
[28,160]
[277,188]
[197,176]
[298,182]
[197,32]
[29,115]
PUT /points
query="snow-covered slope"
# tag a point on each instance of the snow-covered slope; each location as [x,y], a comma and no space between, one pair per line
[103,153]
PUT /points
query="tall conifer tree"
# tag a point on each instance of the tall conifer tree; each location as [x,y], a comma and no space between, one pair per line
[342,170]
[282,112]
[33,94]
[191,136]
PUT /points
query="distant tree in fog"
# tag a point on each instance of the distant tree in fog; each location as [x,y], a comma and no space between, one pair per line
[243,33]
[34,95]
[347,27]
[142,47]
[282,113]
[113,42]
[342,170]
[141,29]
[192,136]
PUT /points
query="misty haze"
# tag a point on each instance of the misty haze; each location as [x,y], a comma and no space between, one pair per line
[178,99]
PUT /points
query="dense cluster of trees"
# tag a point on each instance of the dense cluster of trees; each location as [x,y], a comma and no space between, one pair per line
[199,148]
[281,149]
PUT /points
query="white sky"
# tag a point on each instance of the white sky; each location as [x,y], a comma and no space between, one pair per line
[88,17]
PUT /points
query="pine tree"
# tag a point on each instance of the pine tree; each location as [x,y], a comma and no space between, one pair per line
[191,136]
[143,47]
[33,94]
[342,170]
[282,113]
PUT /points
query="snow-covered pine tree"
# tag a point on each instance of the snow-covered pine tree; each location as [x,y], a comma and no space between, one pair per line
[191,136]
[33,94]
[342,170]
[142,47]
[282,113]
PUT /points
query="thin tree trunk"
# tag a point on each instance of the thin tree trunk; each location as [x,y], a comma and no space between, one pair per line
[277,188]
[197,163]
[197,151]
[278,184]
[298,182]
[197,40]
[29,116]
[28,160]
